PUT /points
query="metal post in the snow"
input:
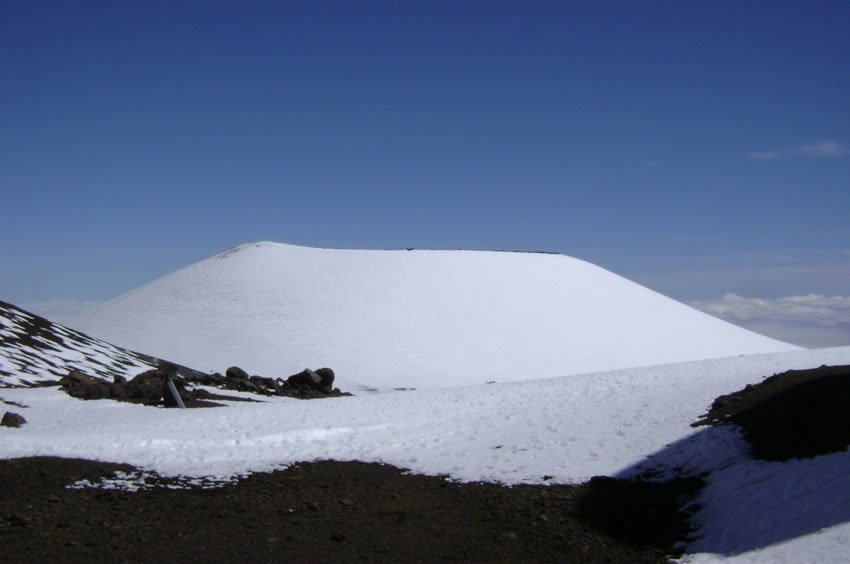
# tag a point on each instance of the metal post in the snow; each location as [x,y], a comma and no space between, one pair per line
[175,395]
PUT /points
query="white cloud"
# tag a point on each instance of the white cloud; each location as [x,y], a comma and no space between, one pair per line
[826,149]
[61,311]
[822,149]
[812,320]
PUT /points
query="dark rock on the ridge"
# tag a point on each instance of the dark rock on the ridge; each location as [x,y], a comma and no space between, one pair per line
[79,385]
[95,391]
[327,376]
[76,377]
[307,378]
[150,387]
[309,384]
[261,381]
[248,386]
[214,379]
[11,419]
[236,373]
[200,393]
[167,369]
[147,377]
[119,392]
[146,386]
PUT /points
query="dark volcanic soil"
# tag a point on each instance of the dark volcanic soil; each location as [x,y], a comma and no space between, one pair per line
[325,511]
[795,414]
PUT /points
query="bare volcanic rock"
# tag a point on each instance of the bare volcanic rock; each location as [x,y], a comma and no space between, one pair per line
[795,414]
[35,351]
[150,387]
[12,420]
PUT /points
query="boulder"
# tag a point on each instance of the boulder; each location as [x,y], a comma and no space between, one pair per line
[167,369]
[214,379]
[265,384]
[236,373]
[146,386]
[82,386]
[147,377]
[306,378]
[327,376]
[76,377]
[12,420]
[94,391]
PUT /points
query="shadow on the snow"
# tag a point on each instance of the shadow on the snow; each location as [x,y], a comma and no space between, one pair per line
[775,464]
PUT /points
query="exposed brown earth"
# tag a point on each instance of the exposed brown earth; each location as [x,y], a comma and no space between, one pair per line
[324,511]
[795,414]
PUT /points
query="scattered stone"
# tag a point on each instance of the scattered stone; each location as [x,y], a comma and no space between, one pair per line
[12,420]
[307,382]
[79,377]
[150,387]
[147,387]
[327,376]
[236,373]
[306,378]
[266,382]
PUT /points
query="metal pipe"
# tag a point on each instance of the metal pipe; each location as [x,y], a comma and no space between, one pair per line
[174,393]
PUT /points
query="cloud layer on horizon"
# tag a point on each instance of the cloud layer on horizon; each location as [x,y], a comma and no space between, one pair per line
[826,149]
[811,321]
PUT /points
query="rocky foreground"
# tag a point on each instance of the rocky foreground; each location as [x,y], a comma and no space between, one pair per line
[350,511]
[325,511]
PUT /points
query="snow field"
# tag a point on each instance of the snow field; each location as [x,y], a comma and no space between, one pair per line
[617,423]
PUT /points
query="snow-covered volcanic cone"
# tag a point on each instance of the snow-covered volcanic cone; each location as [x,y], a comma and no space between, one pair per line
[410,318]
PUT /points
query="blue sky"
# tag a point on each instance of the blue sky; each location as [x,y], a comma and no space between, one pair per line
[699,148]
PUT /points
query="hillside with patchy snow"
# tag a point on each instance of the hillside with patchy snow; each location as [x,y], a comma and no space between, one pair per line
[414,318]
[35,350]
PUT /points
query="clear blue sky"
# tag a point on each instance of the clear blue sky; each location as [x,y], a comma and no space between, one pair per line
[698,147]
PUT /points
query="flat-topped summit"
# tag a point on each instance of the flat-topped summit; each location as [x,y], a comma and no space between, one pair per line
[411,318]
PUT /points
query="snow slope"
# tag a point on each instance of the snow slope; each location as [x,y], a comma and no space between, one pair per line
[34,349]
[389,319]
[617,423]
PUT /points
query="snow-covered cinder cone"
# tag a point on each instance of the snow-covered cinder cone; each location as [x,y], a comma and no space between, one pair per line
[390,319]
